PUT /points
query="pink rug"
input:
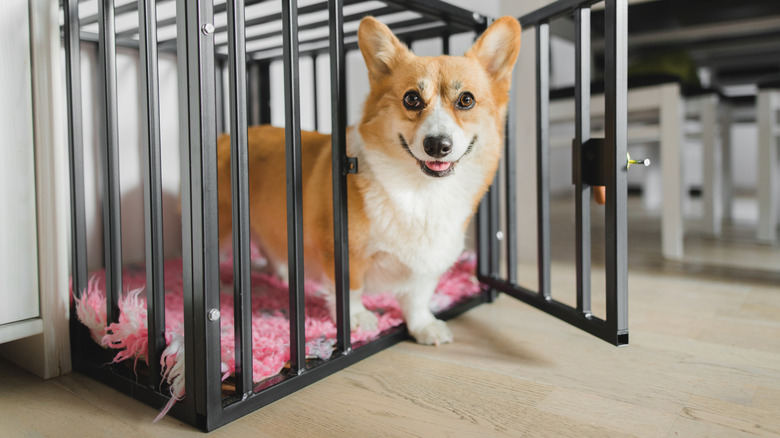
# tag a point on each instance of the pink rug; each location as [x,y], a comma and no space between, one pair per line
[270,324]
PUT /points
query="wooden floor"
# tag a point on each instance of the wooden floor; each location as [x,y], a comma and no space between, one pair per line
[704,360]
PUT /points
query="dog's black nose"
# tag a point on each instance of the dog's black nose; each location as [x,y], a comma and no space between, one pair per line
[437,147]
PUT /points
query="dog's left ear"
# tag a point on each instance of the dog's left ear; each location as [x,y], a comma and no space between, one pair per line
[497,49]
[381,49]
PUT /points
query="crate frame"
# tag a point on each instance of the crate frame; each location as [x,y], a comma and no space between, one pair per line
[201,66]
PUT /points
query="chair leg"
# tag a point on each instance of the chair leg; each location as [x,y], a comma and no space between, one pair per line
[768,103]
[712,157]
[727,185]
[672,227]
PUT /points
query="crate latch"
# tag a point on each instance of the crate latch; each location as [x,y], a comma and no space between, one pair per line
[350,165]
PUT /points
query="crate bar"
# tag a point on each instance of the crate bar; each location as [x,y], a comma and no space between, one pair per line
[130,7]
[436,9]
[315,100]
[292,138]
[239,175]
[554,10]
[494,222]
[593,325]
[253,93]
[264,92]
[615,78]
[266,395]
[543,155]
[219,8]
[445,44]
[219,89]
[322,23]
[78,333]
[91,37]
[483,240]
[316,7]
[393,26]
[338,94]
[76,146]
[119,10]
[109,137]
[493,226]
[510,169]
[200,241]
[131,32]
[321,45]
[581,135]
[263,395]
[153,225]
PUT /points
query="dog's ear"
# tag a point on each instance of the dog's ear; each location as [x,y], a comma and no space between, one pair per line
[381,49]
[497,48]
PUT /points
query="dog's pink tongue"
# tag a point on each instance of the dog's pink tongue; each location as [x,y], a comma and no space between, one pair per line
[438,166]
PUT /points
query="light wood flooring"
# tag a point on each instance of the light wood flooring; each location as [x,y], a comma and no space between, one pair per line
[703,360]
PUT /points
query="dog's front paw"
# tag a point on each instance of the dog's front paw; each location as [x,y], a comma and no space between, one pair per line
[434,333]
[364,320]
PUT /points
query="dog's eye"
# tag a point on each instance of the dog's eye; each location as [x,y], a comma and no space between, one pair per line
[465,101]
[412,100]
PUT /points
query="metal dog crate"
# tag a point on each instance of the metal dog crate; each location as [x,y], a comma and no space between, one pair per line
[200,62]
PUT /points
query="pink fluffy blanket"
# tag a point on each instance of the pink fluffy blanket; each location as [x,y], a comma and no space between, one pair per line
[270,324]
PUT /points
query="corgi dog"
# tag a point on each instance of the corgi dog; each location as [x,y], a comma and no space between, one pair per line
[428,146]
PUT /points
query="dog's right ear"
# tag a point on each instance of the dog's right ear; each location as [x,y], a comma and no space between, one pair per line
[381,49]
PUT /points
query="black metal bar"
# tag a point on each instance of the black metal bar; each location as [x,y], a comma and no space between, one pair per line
[483,244]
[615,85]
[153,225]
[439,10]
[264,93]
[543,155]
[239,156]
[494,225]
[76,146]
[90,37]
[253,94]
[317,24]
[510,174]
[445,44]
[112,225]
[554,10]
[321,45]
[338,109]
[582,190]
[315,100]
[255,21]
[200,241]
[219,90]
[294,185]
[590,324]
[131,32]
[393,26]
[122,9]
[78,261]
[268,394]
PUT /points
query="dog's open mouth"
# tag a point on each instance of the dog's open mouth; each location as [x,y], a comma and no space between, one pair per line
[437,168]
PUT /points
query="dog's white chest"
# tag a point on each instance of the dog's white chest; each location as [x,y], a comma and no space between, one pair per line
[414,234]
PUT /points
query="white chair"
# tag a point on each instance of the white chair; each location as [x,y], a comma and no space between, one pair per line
[658,113]
[768,110]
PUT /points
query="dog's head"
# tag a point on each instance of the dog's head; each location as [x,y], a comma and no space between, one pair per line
[434,112]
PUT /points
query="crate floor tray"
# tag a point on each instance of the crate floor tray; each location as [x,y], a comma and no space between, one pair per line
[270,322]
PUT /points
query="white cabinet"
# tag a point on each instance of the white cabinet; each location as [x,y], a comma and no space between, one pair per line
[34,202]
[18,240]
